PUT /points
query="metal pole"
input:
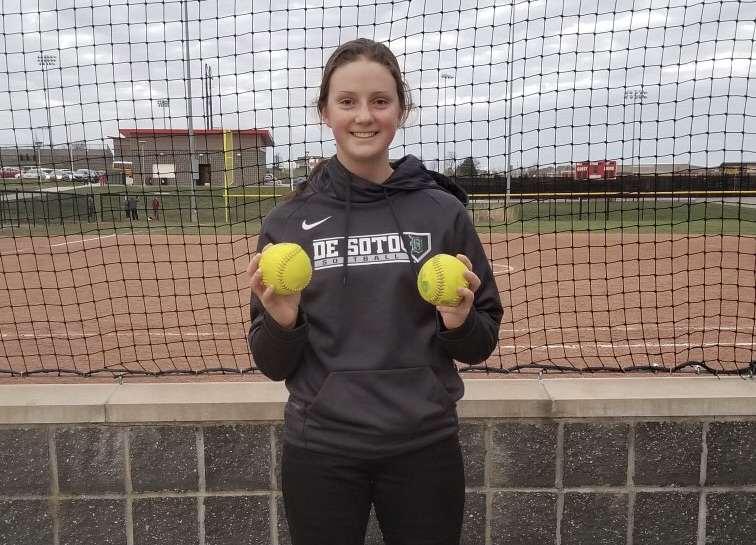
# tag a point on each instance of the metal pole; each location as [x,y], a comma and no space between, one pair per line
[510,85]
[140,144]
[443,155]
[70,151]
[635,95]
[446,77]
[192,156]
[47,60]
[632,157]
[641,97]
[163,103]
[38,153]
[439,146]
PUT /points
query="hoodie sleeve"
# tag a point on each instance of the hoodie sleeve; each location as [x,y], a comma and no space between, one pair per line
[276,351]
[476,338]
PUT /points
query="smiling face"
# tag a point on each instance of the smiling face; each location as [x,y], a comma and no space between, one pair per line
[364,112]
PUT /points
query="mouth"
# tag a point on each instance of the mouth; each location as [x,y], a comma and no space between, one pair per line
[364,134]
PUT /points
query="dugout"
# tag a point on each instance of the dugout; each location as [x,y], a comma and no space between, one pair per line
[224,157]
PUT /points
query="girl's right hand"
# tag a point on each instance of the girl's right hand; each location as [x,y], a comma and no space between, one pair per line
[282,308]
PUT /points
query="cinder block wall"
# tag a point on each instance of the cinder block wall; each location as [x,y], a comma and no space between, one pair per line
[558,461]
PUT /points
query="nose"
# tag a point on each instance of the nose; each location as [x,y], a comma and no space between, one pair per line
[363,114]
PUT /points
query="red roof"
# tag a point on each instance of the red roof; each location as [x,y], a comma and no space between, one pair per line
[133,133]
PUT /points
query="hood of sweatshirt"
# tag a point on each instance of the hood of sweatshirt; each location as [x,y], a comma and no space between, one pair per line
[409,175]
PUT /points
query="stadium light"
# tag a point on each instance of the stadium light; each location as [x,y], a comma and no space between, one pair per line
[635,96]
[164,103]
[47,60]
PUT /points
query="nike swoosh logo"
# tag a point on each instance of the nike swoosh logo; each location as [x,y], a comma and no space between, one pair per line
[307,226]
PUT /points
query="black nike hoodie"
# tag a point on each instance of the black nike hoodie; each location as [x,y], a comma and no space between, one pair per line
[369,365]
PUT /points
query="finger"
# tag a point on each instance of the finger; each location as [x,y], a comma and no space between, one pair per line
[464,259]
[268,293]
[257,284]
[464,305]
[468,296]
[473,280]
[254,264]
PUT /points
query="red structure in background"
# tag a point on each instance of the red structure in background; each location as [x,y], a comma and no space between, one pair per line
[596,170]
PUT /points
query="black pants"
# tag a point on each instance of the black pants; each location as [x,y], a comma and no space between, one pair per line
[418,496]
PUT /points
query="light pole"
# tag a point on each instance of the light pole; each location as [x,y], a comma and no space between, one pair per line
[446,78]
[141,144]
[194,167]
[47,60]
[38,153]
[510,85]
[163,103]
[635,96]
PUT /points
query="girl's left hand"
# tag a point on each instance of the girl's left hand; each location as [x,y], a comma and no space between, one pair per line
[453,317]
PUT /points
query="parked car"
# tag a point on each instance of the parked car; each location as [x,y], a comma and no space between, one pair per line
[38,173]
[10,172]
[63,175]
[269,179]
[85,175]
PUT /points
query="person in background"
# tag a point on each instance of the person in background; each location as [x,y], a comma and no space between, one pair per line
[133,210]
[91,209]
[156,208]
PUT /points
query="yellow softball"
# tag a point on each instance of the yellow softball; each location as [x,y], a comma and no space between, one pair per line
[439,279]
[286,267]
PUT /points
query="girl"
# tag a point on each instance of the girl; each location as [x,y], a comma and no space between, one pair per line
[369,365]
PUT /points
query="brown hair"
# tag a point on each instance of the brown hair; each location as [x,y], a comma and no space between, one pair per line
[362,48]
[351,51]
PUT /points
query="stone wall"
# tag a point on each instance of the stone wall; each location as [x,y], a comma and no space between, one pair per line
[558,461]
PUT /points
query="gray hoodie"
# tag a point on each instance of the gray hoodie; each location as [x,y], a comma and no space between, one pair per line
[369,365]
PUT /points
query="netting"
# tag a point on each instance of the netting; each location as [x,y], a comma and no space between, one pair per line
[608,149]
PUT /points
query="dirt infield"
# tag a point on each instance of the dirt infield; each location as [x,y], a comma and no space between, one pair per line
[574,302]
[616,300]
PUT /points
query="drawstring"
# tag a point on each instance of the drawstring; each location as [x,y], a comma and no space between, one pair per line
[346,230]
[413,265]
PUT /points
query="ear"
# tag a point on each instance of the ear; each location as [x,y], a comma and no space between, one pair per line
[325,117]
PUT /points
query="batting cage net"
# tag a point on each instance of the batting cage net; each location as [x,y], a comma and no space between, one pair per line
[608,149]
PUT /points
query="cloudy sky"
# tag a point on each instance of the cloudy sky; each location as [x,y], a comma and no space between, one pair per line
[527,81]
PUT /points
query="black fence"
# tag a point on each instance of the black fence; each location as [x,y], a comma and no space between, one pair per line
[656,185]
[19,207]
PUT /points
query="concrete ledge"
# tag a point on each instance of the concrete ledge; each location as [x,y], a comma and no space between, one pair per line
[54,403]
[652,397]
[484,398]
[197,402]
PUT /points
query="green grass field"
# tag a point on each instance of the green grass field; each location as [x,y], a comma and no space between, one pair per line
[645,216]
[32,210]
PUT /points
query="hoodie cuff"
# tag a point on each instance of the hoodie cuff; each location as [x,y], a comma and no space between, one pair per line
[459,333]
[287,335]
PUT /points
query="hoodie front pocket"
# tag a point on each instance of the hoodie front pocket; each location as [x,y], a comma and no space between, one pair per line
[381,403]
